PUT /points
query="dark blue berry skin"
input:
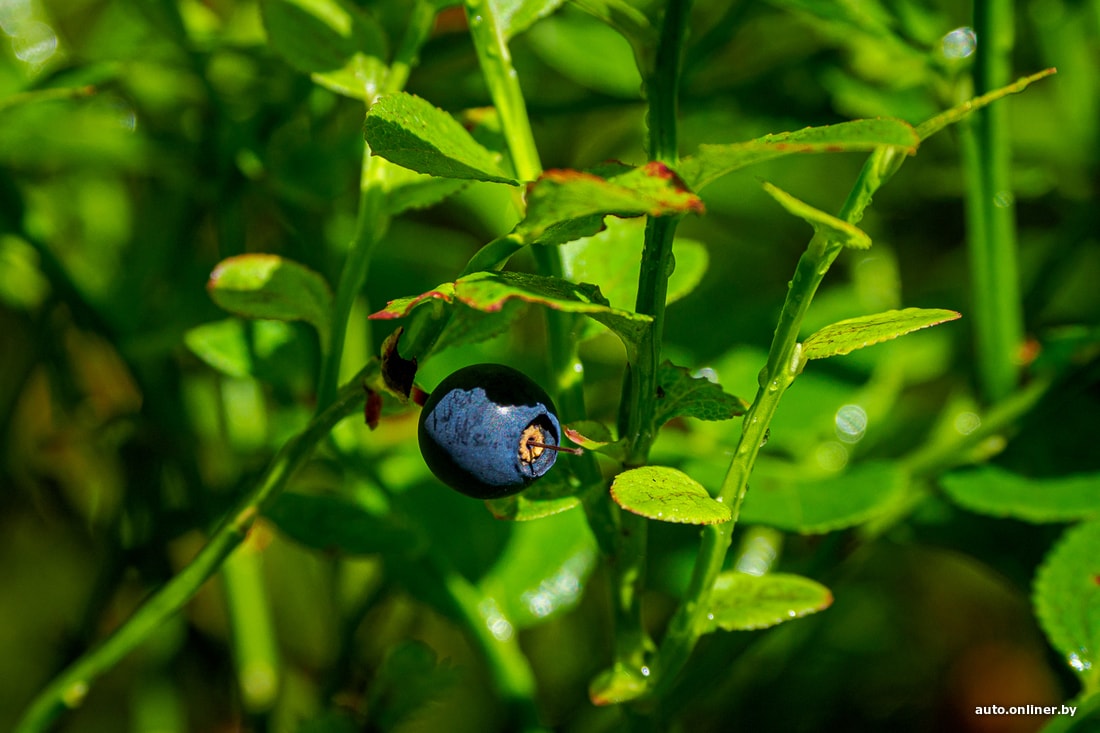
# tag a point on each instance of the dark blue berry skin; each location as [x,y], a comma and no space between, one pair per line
[475,426]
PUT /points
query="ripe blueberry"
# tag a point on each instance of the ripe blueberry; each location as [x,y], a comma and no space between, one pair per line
[488,431]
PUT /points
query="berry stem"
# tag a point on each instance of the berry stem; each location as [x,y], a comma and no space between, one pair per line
[558,448]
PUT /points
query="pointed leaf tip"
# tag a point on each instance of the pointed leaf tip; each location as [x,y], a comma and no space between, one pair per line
[844,337]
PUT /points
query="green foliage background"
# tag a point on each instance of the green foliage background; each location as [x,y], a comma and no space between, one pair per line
[162,137]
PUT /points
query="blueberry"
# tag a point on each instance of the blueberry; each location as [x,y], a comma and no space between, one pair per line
[488,431]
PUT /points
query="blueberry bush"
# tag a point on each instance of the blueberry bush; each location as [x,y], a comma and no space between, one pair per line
[759,340]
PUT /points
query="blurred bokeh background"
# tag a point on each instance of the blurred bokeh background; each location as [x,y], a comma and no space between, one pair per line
[143,142]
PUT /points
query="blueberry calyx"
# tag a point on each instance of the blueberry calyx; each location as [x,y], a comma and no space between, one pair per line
[488,431]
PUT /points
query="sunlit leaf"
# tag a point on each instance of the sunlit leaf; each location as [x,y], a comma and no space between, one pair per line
[714,161]
[846,336]
[682,395]
[743,602]
[668,495]
[411,132]
[990,489]
[1067,599]
[562,195]
[827,225]
[613,259]
[269,286]
[490,292]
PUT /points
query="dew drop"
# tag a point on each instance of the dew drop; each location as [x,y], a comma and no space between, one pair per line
[959,43]
[767,435]
[1003,199]
[35,43]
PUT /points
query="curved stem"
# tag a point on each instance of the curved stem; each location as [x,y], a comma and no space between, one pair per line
[69,688]
[783,365]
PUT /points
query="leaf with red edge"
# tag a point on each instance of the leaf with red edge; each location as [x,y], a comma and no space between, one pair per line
[561,196]
[594,436]
[489,292]
[402,307]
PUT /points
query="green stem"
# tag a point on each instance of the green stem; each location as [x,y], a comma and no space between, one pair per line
[991,223]
[783,365]
[495,636]
[71,686]
[632,643]
[496,66]
[371,221]
[370,225]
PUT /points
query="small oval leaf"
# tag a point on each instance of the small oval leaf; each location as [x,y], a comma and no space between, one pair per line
[668,495]
[1067,599]
[268,286]
[844,337]
[743,602]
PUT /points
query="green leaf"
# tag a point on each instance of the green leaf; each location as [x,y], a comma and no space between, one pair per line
[268,286]
[634,25]
[333,524]
[550,495]
[668,495]
[930,127]
[339,45]
[488,291]
[491,291]
[515,16]
[565,42]
[407,189]
[594,436]
[560,196]
[995,491]
[542,570]
[411,132]
[223,345]
[846,336]
[613,258]
[817,507]
[743,602]
[621,683]
[682,395]
[1067,600]
[714,161]
[826,225]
